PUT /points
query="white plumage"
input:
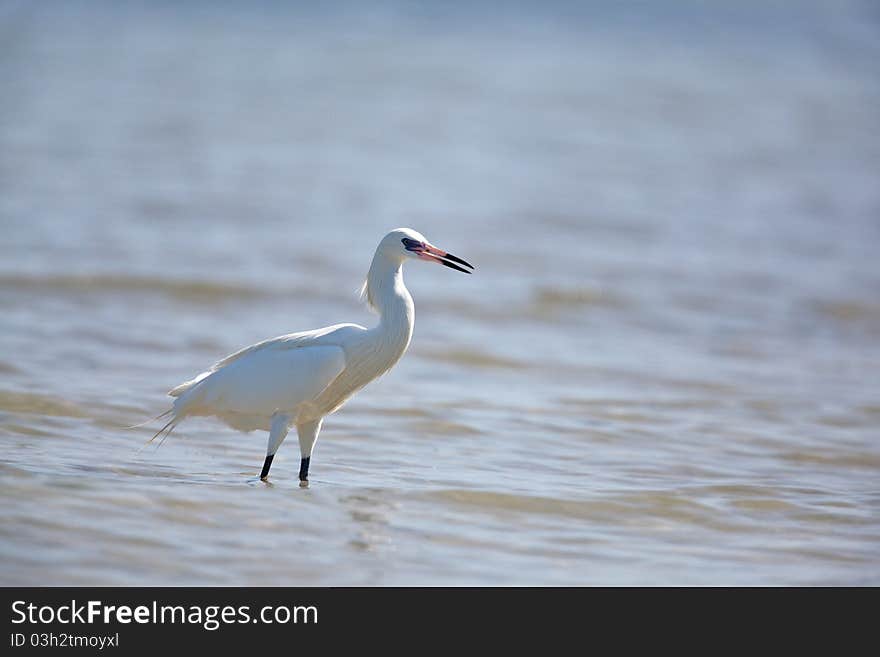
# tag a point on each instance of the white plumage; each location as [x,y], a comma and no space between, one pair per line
[298,379]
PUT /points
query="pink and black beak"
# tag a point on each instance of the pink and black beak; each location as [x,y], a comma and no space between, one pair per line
[431,253]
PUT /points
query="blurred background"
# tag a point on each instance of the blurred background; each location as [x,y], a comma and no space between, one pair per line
[664,370]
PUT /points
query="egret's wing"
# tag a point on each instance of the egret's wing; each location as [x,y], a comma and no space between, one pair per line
[327,335]
[270,379]
[330,335]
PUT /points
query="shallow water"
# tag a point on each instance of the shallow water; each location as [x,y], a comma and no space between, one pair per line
[664,370]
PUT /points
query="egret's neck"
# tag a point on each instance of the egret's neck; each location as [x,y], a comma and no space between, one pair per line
[388,294]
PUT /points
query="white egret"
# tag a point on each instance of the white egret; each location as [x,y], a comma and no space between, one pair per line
[296,380]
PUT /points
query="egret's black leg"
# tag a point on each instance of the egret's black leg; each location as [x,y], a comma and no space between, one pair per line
[308,434]
[278,429]
[266,465]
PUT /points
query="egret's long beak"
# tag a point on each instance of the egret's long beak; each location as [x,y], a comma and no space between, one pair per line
[431,253]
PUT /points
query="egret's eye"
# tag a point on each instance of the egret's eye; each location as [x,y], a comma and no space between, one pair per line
[412,245]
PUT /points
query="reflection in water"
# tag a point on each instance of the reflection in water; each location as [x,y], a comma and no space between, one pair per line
[369,515]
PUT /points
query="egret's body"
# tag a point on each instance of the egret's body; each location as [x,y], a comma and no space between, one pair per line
[298,379]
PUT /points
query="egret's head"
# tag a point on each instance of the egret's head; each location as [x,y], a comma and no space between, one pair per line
[394,249]
[403,243]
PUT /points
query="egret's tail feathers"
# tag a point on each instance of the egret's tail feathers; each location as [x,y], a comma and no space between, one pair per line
[166,430]
[146,422]
[169,427]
